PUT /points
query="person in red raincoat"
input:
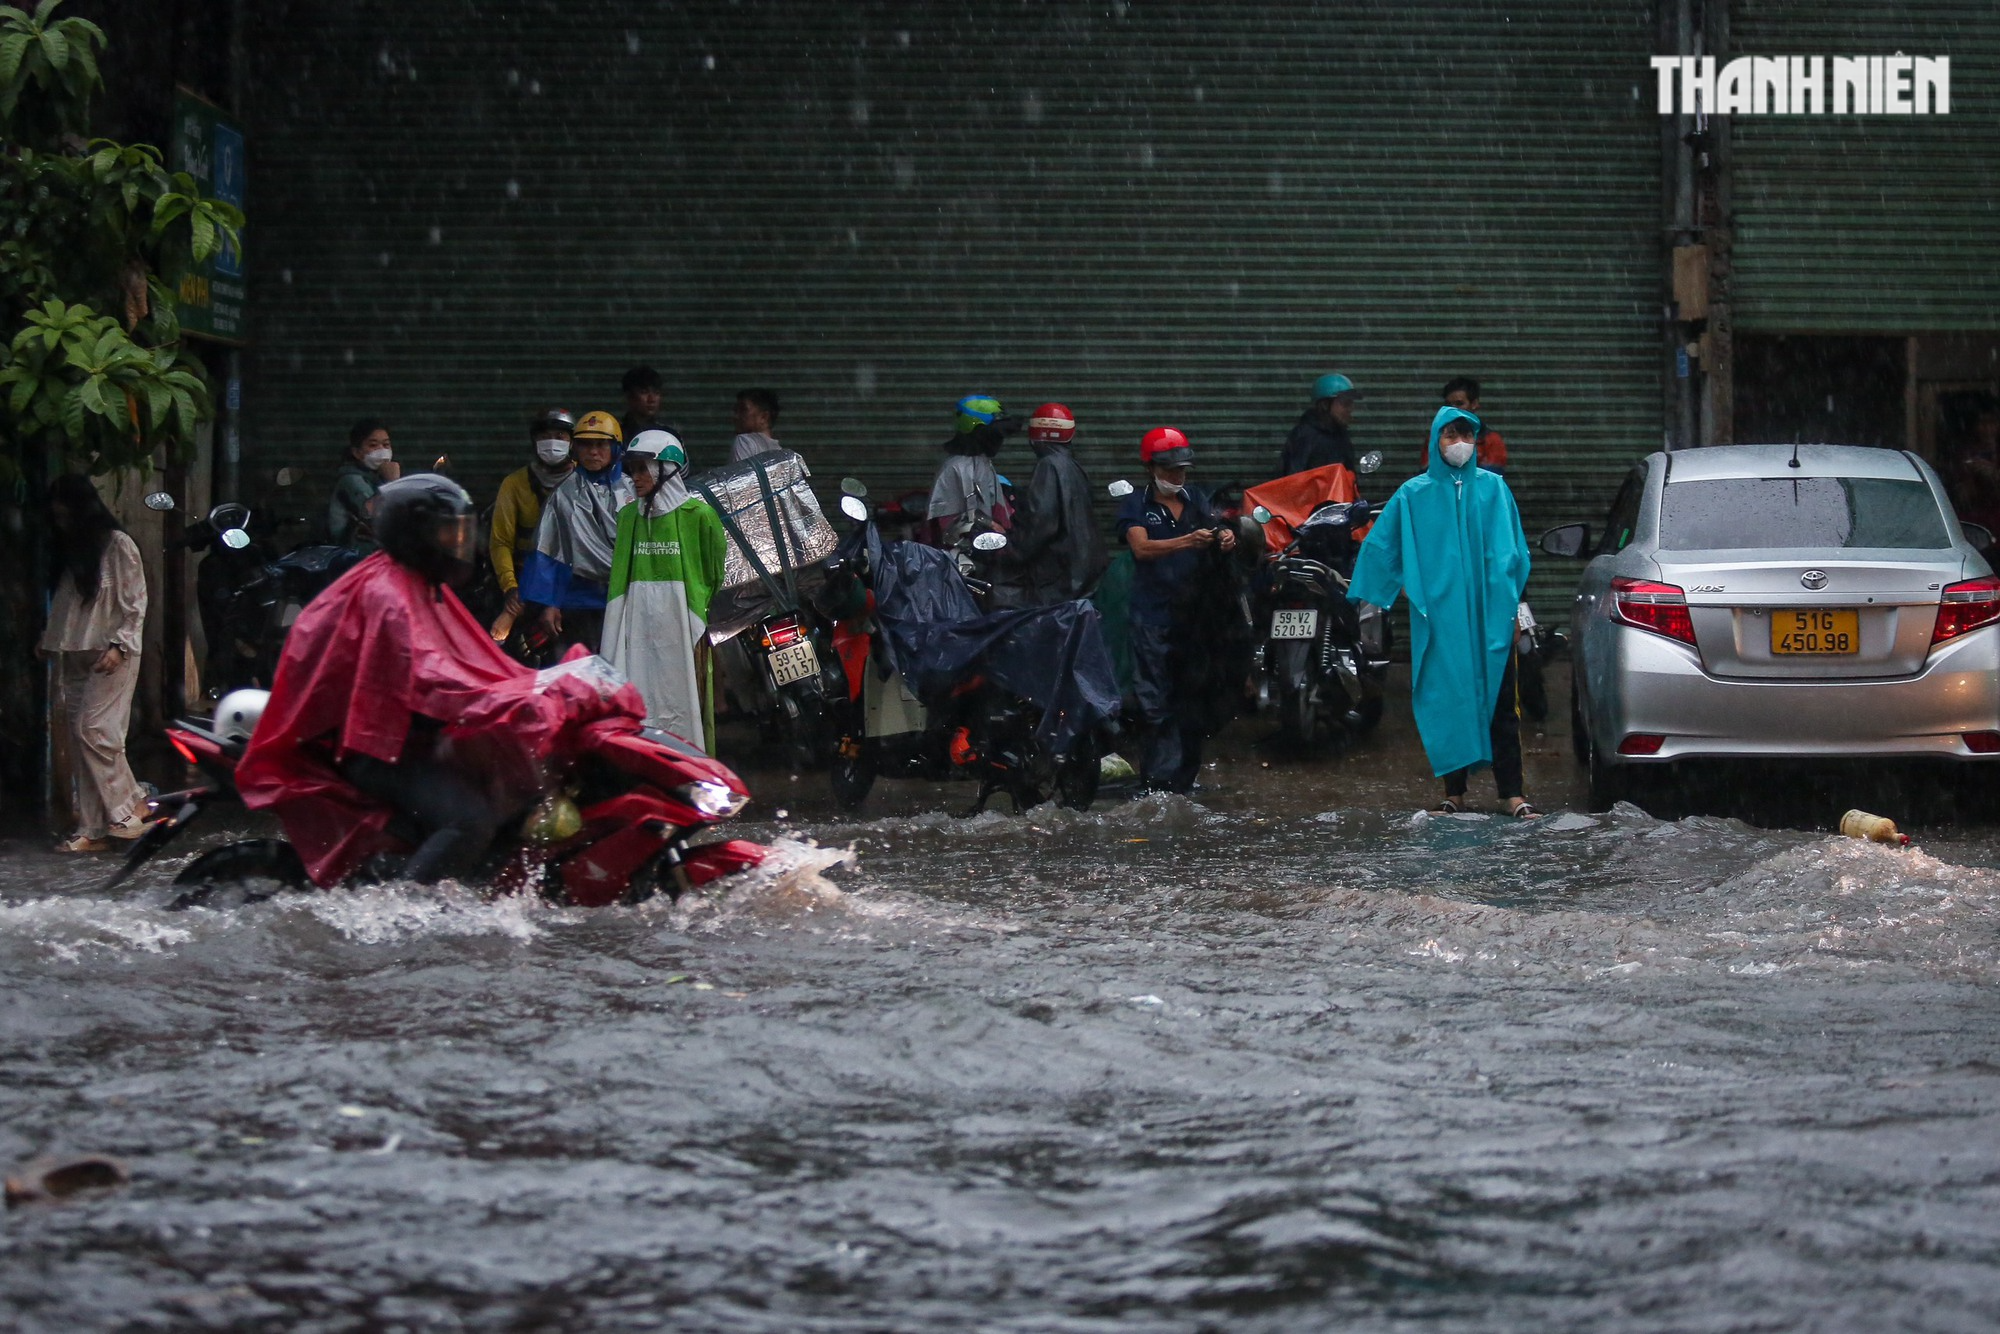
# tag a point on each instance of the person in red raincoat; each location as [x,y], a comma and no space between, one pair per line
[391,700]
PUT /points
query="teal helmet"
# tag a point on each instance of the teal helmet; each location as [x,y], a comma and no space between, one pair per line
[977,410]
[1333,386]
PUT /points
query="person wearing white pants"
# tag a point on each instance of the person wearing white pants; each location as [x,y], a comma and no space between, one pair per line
[97,615]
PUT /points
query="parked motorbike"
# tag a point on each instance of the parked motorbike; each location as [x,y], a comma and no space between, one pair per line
[1325,658]
[618,829]
[981,732]
[248,599]
[1535,645]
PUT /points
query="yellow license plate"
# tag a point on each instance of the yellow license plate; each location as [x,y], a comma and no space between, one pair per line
[1815,632]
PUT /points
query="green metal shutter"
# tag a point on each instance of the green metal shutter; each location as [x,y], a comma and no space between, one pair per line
[1870,224]
[1155,213]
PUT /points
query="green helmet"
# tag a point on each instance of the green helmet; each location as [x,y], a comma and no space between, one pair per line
[1333,386]
[977,410]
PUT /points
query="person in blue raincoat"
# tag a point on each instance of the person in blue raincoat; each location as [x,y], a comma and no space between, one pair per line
[1451,539]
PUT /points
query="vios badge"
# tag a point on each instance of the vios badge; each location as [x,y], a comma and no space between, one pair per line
[1814,579]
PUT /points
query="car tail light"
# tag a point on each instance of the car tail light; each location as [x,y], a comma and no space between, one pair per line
[1641,743]
[785,630]
[1661,608]
[1983,743]
[1966,606]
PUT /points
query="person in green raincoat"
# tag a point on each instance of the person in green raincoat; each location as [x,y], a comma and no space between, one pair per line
[665,569]
[1451,538]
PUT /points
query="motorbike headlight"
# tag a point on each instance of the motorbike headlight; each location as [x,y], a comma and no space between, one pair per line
[714,800]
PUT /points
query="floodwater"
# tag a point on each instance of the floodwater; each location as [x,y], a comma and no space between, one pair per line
[1288,1057]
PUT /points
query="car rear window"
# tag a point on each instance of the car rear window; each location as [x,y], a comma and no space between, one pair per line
[1735,513]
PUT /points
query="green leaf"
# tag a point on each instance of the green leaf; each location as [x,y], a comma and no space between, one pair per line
[72,416]
[204,235]
[158,400]
[44,9]
[13,15]
[12,47]
[24,389]
[55,47]
[91,394]
[184,411]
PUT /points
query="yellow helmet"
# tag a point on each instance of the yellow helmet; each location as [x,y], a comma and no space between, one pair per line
[598,426]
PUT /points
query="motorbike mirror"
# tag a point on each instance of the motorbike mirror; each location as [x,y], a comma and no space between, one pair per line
[1119,489]
[159,500]
[229,514]
[235,539]
[1571,540]
[1261,515]
[286,476]
[1369,462]
[989,541]
[853,486]
[854,508]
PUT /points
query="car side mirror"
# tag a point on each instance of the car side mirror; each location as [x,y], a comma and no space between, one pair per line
[1369,462]
[1569,541]
[1978,534]
[854,508]
[1119,489]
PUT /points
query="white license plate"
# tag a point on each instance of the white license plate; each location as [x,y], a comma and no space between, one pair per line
[1295,624]
[794,662]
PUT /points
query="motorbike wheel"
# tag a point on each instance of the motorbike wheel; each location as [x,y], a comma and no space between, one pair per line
[237,873]
[853,776]
[1531,688]
[1364,717]
[1298,711]
[1077,774]
[812,738]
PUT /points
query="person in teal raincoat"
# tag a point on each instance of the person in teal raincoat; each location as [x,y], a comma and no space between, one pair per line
[1451,539]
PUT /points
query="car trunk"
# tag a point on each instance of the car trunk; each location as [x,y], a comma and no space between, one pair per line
[1871,619]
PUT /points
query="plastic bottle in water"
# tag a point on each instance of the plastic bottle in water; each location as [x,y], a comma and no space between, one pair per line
[1874,828]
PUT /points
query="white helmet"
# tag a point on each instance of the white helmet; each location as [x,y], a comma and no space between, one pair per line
[237,714]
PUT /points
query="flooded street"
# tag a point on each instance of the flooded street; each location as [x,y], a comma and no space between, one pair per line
[1286,1057]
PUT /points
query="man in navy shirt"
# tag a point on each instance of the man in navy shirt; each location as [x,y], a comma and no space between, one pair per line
[1171,528]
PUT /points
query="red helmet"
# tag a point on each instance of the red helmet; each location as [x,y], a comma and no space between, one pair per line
[1053,424]
[1165,447]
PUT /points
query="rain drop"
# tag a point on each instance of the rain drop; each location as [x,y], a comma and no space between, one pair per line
[857,111]
[285,277]
[708,62]
[631,43]
[535,87]
[903,37]
[513,78]
[383,259]
[1031,107]
[1145,155]
[864,380]
[347,355]
[1276,182]
[906,173]
[437,236]
[513,189]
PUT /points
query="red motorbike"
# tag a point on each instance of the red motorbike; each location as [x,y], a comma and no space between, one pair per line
[639,799]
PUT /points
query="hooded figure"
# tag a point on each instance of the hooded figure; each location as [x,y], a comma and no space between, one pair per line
[1451,538]
[666,566]
[1057,544]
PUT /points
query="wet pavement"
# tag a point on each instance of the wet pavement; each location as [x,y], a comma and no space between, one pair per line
[1289,1056]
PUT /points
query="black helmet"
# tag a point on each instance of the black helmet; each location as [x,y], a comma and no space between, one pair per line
[425,521]
[548,418]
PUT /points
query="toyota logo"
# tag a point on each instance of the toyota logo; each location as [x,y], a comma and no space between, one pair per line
[1814,579]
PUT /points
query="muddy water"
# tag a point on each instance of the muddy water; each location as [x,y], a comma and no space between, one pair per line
[1263,1062]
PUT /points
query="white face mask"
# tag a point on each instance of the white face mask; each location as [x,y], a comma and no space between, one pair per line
[1458,453]
[552,452]
[373,459]
[1168,489]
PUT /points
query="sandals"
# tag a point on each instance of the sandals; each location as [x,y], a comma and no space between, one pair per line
[1527,810]
[83,843]
[1447,807]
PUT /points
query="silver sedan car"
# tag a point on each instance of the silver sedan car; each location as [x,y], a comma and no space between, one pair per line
[1780,601]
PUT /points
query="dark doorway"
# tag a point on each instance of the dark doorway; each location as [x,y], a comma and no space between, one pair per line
[1820,389]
